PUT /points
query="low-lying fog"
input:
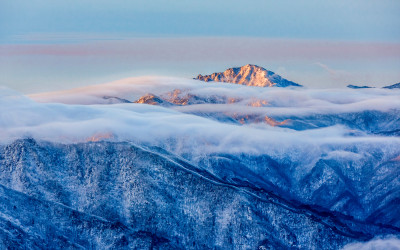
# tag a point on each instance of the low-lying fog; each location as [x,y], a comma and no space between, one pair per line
[67,117]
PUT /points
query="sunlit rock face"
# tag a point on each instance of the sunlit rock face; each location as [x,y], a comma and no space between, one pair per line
[100,137]
[250,75]
[183,98]
[152,100]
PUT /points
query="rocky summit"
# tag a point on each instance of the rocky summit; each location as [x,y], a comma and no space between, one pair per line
[250,75]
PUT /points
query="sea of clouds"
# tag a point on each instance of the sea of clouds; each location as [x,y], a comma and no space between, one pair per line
[80,115]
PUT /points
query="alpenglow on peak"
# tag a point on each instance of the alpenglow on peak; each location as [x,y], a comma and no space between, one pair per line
[250,75]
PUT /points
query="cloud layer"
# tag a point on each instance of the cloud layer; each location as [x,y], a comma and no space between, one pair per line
[353,141]
[68,119]
[387,244]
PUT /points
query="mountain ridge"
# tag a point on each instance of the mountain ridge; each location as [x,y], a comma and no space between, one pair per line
[393,86]
[351,86]
[130,205]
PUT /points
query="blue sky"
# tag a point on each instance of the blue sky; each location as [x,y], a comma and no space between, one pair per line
[341,30]
[315,19]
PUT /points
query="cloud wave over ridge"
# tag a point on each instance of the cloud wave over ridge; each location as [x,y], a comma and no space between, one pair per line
[66,117]
[336,149]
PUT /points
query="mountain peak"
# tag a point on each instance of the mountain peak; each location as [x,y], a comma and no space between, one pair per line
[250,75]
[394,86]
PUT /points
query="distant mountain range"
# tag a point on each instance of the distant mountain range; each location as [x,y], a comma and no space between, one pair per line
[250,75]
[358,87]
[394,86]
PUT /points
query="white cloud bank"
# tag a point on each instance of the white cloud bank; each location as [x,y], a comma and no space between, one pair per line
[70,121]
[390,243]
[315,100]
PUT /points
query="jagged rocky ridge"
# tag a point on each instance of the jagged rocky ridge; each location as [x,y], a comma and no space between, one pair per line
[250,75]
[368,121]
[180,98]
[122,195]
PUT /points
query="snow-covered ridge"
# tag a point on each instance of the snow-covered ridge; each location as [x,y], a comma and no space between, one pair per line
[124,195]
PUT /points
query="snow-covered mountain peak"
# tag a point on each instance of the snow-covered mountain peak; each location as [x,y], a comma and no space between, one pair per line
[250,75]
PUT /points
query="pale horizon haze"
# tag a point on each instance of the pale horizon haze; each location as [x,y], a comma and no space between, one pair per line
[48,46]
